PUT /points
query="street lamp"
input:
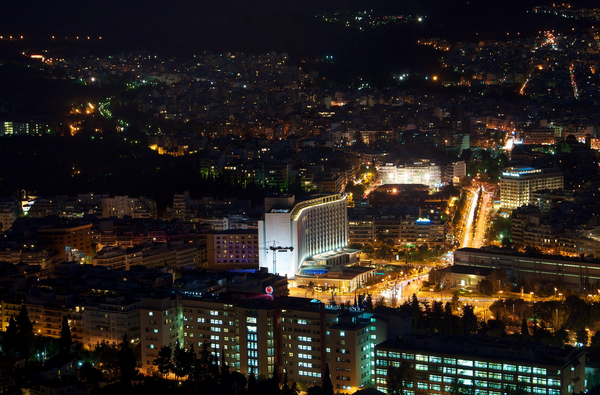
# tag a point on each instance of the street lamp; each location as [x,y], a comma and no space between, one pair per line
[555,292]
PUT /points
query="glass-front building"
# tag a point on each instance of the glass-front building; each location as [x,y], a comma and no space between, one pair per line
[449,364]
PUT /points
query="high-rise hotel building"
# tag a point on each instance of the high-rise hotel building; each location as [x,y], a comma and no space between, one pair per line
[518,183]
[303,229]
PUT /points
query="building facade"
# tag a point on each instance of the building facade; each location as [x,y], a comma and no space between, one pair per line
[423,172]
[450,364]
[518,183]
[303,230]
[233,249]
[258,334]
[574,273]
[72,241]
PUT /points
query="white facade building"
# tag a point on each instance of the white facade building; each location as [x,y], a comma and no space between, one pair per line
[311,227]
[423,172]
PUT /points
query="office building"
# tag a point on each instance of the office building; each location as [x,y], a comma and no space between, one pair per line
[518,183]
[574,273]
[441,364]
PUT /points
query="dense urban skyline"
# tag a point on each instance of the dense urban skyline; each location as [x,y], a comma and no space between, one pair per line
[300,197]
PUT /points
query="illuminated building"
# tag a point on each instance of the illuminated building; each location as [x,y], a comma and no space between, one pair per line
[304,230]
[71,241]
[518,183]
[8,214]
[361,230]
[107,319]
[573,273]
[423,172]
[233,249]
[419,231]
[456,171]
[258,334]
[441,364]
[537,136]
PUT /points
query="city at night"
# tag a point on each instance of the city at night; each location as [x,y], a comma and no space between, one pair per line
[300,198]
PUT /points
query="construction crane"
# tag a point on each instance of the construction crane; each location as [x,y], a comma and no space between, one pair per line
[275,250]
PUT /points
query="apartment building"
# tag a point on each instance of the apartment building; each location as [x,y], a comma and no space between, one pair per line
[361,230]
[107,319]
[259,334]
[231,249]
[73,239]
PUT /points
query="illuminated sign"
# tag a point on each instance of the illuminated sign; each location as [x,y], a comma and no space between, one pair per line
[269,289]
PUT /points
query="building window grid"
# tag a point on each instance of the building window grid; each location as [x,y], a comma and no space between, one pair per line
[450,374]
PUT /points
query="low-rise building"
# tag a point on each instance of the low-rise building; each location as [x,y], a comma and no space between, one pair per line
[534,269]
[439,364]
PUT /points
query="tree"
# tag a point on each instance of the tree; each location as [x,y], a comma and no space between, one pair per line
[486,287]
[524,328]
[582,336]
[127,361]
[560,337]
[332,301]
[163,360]
[10,339]
[25,337]
[396,378]
[225,373]
[252,385]
[469,320]
[380,302]
[368,309]
[238,381]
[288,389]
[181,367]
[65,337]
[327,388]
[458,387]
[595,341]
[89,374]
[315,390]
[455,303]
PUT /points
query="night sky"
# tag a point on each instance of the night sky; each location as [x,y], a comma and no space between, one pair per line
[184,27]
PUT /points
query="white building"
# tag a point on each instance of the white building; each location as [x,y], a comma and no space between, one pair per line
[456,171]
[518,183]
[304,230]
[423,172]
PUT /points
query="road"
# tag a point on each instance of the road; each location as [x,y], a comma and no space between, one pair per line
[468,227]
[476,224]
[482,221]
